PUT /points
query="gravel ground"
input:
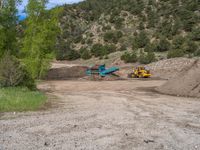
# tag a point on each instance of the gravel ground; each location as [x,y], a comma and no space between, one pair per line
[117,115]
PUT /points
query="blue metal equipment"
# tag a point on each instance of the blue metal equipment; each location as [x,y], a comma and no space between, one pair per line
[101,70]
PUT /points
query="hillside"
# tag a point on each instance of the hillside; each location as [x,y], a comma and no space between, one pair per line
[167,28]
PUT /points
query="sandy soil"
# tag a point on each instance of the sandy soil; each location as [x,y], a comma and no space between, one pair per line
[111,115]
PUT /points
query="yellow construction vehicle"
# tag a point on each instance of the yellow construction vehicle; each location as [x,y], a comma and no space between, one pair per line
[140,72]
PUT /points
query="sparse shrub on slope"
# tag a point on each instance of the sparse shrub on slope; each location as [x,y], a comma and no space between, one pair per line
[112,36]
[175,53]
[129,57]
[72,55]
[164,45]
[141,40]
[99,50]
[146,58]
[196,34]
[85,54]
[144,21]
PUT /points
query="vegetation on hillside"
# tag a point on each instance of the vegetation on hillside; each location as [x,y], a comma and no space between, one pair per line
[138,25]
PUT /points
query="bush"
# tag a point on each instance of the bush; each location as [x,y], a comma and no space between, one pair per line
[105,28]
[62,49]
[177,42]
[78,39]
[141,40]
[146,58]
[86,54]
[190,46]
[72,55]
[123,47]
[151,47]
[110,48]
[13,74]
[112,36]
[196,34]
[197,53]
[98,50]
[129,57]
[163,45]
[175,53]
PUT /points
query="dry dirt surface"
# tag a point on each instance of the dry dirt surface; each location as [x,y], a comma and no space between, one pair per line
[187,83]
[106,115]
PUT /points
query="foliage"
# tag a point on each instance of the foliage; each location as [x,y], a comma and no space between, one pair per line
[175,53]
[8,23]
[72,55]
[62,49]
[20,99]
[196,34]
[85,54]
[164,45]
[141,40]
[129,57]
[99,50]
[151,47]
[197,53]
[190,46]
[146,58]
[112,36]
[40,38]
[13,74]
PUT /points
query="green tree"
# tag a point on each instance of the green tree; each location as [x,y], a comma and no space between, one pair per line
[163,45]
[141,40]
[86,54]
[196,34]
[8,23]
[146,58]
[40,37]
[190,46]
[151,47]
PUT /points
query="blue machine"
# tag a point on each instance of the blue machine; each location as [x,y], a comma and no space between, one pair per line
[101,70]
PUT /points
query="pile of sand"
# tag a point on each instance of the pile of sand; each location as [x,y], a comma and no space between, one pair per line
[65,73]
[169,68]
[186,83]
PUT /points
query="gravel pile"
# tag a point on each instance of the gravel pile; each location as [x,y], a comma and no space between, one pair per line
[169,68]
[186,83]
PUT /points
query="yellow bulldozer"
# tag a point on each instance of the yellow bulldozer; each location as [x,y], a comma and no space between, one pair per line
[140,72]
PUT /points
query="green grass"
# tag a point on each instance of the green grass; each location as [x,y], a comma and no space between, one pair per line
[20,99]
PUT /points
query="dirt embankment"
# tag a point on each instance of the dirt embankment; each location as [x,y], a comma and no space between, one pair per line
[65,73]
[186,83]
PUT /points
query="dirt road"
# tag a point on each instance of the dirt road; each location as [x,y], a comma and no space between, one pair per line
[107,115]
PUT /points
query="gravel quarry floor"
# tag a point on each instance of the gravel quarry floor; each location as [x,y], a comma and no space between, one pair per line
[106,115]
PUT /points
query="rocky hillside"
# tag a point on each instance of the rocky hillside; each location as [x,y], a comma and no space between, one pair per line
[145,30]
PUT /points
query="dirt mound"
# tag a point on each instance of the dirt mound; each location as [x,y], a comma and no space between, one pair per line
[186,83]
[170,68]
[65,73]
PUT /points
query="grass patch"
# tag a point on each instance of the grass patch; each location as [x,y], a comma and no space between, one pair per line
[20,99]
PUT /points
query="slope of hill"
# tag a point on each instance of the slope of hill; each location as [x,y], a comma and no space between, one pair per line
[97,28]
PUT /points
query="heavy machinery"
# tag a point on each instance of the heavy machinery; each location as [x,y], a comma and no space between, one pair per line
[140,72]
[101,71]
